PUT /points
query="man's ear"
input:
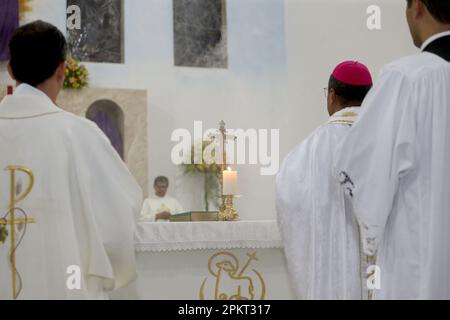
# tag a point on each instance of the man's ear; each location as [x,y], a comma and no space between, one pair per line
[61,71]
[332,96]
[11,72]
[419,9]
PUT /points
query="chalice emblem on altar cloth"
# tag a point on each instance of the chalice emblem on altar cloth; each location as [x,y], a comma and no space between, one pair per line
[227,281]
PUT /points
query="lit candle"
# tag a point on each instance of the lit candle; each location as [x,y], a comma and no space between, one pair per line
[229,182]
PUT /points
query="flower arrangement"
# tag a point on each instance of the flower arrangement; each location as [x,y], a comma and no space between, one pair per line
[76,74]
[3,233]
[24,7]
[211,175]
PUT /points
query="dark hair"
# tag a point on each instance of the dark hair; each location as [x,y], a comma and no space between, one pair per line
[348,93]
[36,51]
[161,179]
[439,9]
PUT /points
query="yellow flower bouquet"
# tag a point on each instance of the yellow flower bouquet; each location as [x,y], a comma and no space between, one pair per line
[210,170]
[76,74]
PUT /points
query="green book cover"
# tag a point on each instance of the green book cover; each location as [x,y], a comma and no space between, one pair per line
[193,216]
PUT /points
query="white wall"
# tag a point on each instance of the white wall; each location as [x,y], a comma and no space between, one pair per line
[322,33]
[281,53]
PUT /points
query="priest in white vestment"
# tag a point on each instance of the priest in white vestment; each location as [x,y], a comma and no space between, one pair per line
[84,199]
[395,165]
[160,207]
[320,236]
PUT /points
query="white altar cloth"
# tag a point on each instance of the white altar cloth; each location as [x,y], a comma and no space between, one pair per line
[181,236]
[176,261]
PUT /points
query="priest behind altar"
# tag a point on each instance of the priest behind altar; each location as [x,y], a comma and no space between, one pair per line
[320,236]
[395,164]
[84,199]
[160,207]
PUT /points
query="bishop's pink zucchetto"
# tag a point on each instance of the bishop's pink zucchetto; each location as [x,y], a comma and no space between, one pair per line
[353,73]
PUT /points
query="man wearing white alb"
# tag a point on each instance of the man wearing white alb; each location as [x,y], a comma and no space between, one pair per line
[84,199]
[160,207]
[395,164]
[320,236]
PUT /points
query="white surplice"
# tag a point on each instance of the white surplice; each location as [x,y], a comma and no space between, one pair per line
[84,202]
[319,234]
[155,205]
[395,168]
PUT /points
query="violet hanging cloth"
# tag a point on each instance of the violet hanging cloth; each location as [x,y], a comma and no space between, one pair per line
[107,125]
[9,22]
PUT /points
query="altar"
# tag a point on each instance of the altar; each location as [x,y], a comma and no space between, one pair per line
[208,261]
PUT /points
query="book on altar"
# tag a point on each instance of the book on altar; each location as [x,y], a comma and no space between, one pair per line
[195,216]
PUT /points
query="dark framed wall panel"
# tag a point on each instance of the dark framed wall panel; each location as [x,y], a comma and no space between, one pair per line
[200,33]
[101,36]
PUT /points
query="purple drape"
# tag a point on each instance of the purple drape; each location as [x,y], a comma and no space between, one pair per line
[107,125]
[9,21]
